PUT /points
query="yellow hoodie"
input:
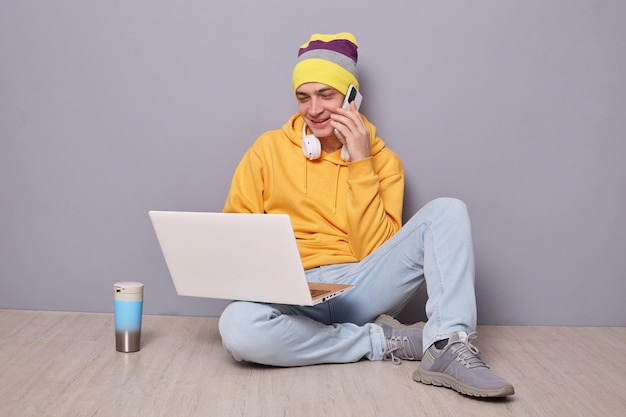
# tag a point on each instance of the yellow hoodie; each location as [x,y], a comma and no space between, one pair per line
[340,211]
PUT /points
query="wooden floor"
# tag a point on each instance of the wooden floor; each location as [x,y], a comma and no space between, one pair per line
[65,364]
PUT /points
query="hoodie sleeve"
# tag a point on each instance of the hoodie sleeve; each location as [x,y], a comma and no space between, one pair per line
[374,201]
[246,189]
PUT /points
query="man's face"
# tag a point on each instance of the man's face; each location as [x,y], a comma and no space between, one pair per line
[316,102]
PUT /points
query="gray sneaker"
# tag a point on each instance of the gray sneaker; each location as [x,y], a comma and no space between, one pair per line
[458,366]
[403,342]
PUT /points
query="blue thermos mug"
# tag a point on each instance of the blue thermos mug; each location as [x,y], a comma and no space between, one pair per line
[128,312]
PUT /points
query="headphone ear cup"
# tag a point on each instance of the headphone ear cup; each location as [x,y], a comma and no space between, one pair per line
[344,153]
[311,147]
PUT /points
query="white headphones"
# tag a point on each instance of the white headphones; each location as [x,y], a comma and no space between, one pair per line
[312,148]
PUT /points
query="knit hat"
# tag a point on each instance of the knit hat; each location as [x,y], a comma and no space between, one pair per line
[327,59]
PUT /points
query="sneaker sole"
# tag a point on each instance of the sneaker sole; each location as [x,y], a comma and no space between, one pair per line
[439,379]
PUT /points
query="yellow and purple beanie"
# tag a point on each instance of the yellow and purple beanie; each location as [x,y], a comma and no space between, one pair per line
[327,59]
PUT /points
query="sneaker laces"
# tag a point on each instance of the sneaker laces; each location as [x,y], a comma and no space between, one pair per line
[398,348]
[466,353]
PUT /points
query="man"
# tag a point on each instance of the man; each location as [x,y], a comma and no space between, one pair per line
[345,204]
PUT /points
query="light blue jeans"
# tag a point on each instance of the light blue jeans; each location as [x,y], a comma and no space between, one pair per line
[434,246]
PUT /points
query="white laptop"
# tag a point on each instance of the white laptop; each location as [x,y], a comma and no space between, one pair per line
[250,257]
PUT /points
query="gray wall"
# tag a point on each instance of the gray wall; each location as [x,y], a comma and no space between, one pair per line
[111,108]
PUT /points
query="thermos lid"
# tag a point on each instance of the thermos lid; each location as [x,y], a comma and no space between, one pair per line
[128,287]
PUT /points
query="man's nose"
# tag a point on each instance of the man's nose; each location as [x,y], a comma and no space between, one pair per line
[316,106]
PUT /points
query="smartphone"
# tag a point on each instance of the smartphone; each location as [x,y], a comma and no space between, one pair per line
[351,95]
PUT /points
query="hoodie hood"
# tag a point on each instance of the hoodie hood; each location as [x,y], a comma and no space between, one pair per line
[293,130]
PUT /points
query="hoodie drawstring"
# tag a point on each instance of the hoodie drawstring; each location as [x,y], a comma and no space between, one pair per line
[336,190]
[306,176]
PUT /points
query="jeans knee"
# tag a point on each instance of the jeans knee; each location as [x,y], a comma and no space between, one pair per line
[450,203]
[451,207]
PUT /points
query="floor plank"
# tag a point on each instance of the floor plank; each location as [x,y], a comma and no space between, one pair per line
[65,364]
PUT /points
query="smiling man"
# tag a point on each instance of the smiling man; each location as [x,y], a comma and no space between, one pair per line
[345,204]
